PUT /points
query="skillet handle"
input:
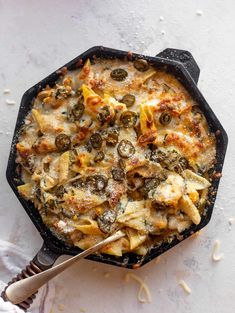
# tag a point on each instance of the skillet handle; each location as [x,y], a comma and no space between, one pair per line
[43,260]
[184,57]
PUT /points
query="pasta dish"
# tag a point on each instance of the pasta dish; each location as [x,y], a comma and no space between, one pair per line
[117,144]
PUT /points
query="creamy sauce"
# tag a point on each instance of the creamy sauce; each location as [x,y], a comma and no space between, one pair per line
[104,150]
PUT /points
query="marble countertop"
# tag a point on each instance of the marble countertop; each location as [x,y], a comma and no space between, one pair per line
[37,37]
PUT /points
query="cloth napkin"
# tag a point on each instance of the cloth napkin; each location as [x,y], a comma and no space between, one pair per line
[12,261]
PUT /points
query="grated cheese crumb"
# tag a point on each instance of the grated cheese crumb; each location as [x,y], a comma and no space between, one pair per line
[216,247]
[143,288]
[27,122]
[199,13]
[10,102]
[61,224]
[231,220]
[161,18]
[186,288]
[163,32]
[6,91]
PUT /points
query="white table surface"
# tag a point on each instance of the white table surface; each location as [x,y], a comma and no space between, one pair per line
[37,37]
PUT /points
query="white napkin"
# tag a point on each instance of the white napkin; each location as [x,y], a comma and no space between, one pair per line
[12,261]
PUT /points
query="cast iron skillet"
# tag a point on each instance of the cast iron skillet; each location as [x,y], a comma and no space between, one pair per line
[178,62]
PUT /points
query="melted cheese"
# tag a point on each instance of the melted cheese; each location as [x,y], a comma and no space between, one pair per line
[86,185]
[170,191]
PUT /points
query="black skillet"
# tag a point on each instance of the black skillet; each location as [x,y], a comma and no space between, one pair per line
[178,62]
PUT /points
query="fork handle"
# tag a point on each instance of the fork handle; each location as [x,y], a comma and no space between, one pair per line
[43,260]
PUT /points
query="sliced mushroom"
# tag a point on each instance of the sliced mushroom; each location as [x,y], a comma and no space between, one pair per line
[125,149]
[97,182]
[149,184]
[96,140]
[78,111]
[141,65]
[165,118]
[119,74]
[118,174]
[128,119]
[62,142]
[128,99]
[106,220]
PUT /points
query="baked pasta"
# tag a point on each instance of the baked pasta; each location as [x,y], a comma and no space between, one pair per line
[116,145]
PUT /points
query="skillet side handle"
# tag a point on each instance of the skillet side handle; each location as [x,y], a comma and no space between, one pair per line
[184,57]
[43,260]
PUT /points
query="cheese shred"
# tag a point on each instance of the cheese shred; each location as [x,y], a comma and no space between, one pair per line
[10,102]
[216,247]
[144,294]
[186,288]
